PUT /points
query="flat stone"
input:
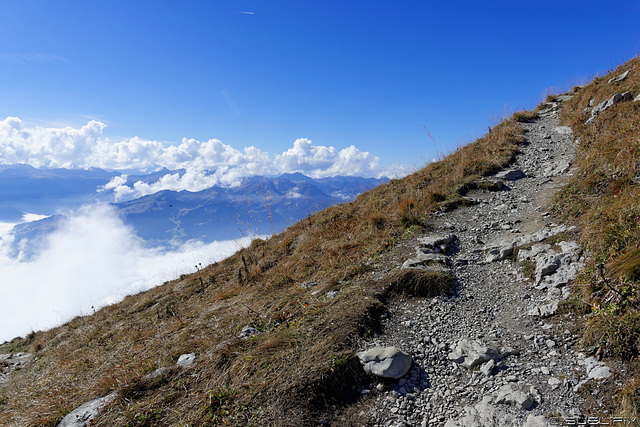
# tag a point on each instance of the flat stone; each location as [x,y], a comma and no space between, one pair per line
[619,78]
[510,174]
[510,396]
[472,353]
[435,244]
[385,362]
[544,310]
[82,416]
[427,260]
[600,372]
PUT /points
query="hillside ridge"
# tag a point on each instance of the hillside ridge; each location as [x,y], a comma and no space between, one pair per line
[465,265]
[489,355]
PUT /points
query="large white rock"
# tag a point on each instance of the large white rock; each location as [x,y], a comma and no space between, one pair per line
[82,416]
[385,362]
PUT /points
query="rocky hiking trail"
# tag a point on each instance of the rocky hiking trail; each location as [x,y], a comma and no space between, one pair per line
[492,355]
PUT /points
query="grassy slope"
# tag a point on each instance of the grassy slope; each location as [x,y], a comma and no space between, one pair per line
[604,199]
[304,351]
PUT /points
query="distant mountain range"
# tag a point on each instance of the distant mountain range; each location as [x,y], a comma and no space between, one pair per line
[259,205]
[47,191]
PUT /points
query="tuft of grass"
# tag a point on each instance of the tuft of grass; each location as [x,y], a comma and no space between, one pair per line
[629,397]
[525,116]
[613,332]
[422,283]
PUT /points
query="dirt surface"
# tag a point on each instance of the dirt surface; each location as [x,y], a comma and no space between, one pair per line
[538,376]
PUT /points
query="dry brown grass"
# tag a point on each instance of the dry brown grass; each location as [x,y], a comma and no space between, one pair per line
[604,199]
[421,283]
[285,375]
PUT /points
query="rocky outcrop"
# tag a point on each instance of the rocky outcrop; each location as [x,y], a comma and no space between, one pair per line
[619,78]
[615,99]
[465,371]
[432,253]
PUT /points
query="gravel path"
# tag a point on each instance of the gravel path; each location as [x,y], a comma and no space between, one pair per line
[533,372]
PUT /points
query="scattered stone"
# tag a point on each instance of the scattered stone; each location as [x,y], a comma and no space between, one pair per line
[158,373]
[615,99]
[82,416]
[554,382]
[492,296]
[544,310]
[10,362]
[248,331]
[385,362]
[619,78]
[600,372]
[437,261]
[186,360]
[510,174]
[488,367]
[435,244]
[510,396]
[472,353]
[536,421]
[500,250]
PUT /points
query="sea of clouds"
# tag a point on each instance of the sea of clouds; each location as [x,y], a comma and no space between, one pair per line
[91,260]
[207,163]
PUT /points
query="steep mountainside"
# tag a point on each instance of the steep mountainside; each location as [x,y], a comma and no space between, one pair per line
[470,271]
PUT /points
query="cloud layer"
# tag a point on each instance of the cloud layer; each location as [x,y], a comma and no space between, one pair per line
[206,163]
[93,259]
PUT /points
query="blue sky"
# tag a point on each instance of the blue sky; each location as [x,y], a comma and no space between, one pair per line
[264,74]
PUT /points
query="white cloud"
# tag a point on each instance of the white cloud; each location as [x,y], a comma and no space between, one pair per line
[206,163]
[92,259]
